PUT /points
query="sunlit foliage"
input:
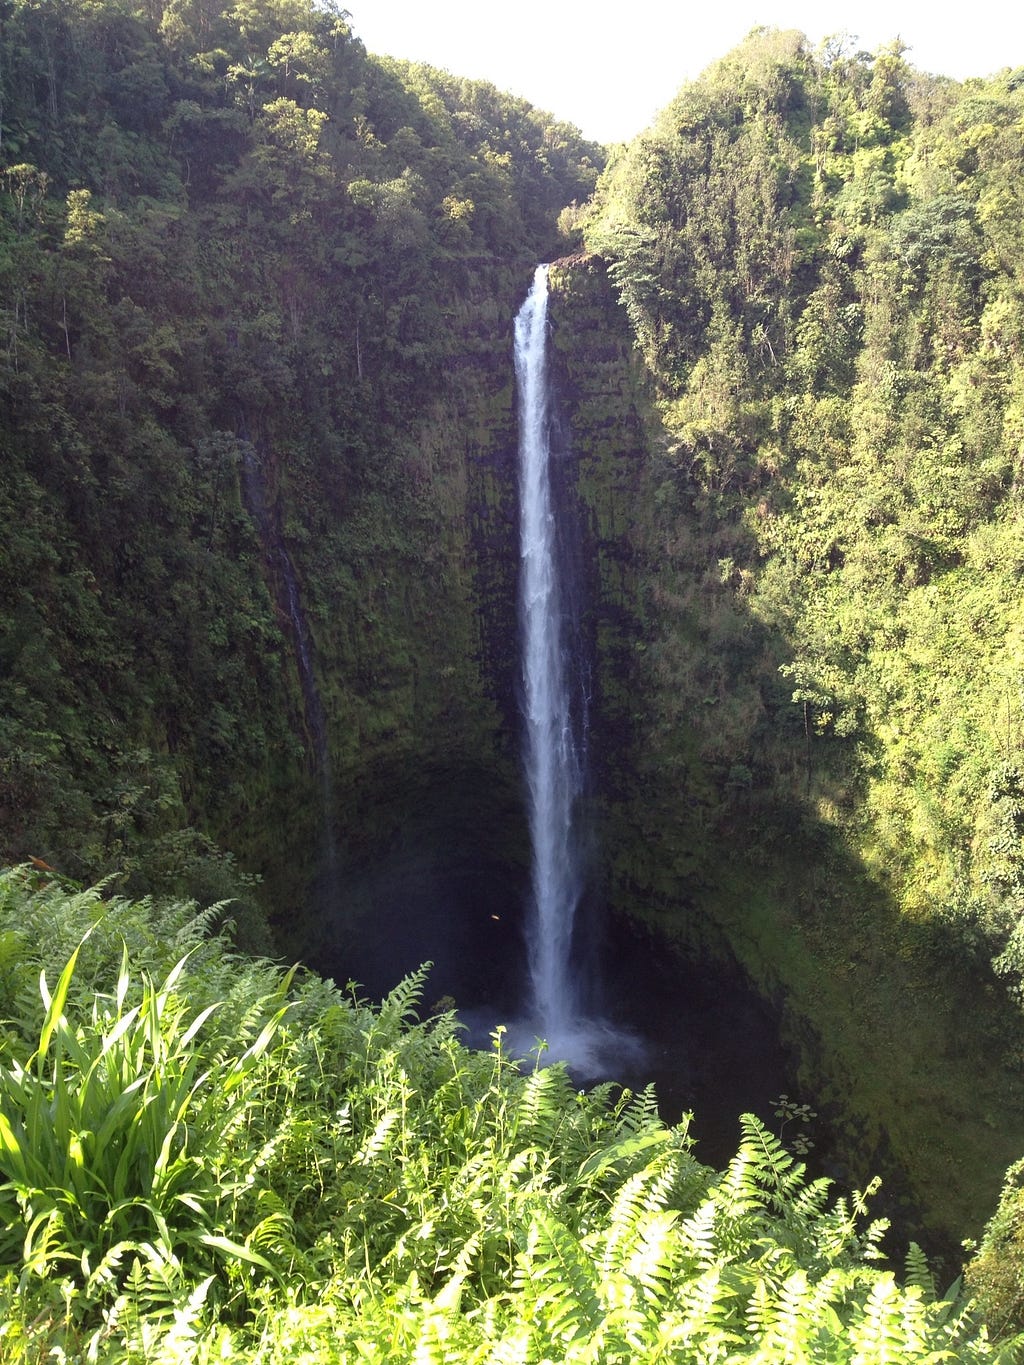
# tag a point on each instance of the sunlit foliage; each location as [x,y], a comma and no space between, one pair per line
[283,1170]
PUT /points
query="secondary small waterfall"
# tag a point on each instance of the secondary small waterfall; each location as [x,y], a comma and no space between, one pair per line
[551,751]
[285,584]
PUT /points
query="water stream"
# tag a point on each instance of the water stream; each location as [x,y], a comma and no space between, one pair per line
[551,754]
[285,585]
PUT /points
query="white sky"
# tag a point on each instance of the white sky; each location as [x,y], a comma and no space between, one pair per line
[608,68]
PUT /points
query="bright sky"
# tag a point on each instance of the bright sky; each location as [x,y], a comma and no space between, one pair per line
[608,68]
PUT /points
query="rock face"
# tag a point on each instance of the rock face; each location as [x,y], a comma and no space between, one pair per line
[417,674]
[607,415]
[419,671]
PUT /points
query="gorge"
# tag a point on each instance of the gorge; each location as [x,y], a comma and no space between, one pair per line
[260,598]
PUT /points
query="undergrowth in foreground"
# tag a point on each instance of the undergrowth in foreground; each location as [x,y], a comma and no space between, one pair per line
[203,1157]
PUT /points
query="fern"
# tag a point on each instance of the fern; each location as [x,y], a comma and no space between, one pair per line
[699,1235]
[639,1239]
[879,1337]
[706,1311]
[760,1310]
[774,1168]
[627,1210]
[785,1334]
[563,1279]
[541,1110]
[917,1273]
[638,1113]
[400,1007]
[326,1185]
[651,1260]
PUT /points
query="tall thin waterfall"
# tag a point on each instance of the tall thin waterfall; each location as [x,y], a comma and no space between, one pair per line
[552,757]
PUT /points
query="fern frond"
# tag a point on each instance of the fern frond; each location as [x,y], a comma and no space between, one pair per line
[540,1112]
[785,1334]
[698,1232]
[774,1167]
[640,1111]
[810,1201]
[565,1279]
[377,1141]
[707,1306]
[879,1336]
[400,1006]
[622,1222]
[917,1273]
[760,1313]
[652,1259]
[620,1154]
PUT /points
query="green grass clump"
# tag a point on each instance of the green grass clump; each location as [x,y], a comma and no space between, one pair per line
[290,1174]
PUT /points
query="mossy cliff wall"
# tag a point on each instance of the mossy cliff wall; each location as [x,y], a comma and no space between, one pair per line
[894,1047]
[409,590]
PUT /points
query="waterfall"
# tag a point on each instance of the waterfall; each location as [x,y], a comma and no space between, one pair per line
[551,753]
[554,1025]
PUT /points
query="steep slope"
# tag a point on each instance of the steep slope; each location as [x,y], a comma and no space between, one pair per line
[257,291]
[257,481]
[817,259]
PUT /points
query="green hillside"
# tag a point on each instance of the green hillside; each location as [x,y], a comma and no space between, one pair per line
[258,658]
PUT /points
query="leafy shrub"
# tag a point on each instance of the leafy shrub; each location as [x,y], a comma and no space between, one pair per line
[130,1136]
[300,1175]
[996,1274]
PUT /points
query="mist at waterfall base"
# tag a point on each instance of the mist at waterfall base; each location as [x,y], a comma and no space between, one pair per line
[444,890]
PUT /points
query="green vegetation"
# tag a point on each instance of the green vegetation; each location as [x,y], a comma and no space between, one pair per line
[209,1159]
[255,291]
[817,256]
[256,622]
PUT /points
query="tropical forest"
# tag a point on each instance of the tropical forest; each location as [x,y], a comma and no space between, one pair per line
[511,705]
